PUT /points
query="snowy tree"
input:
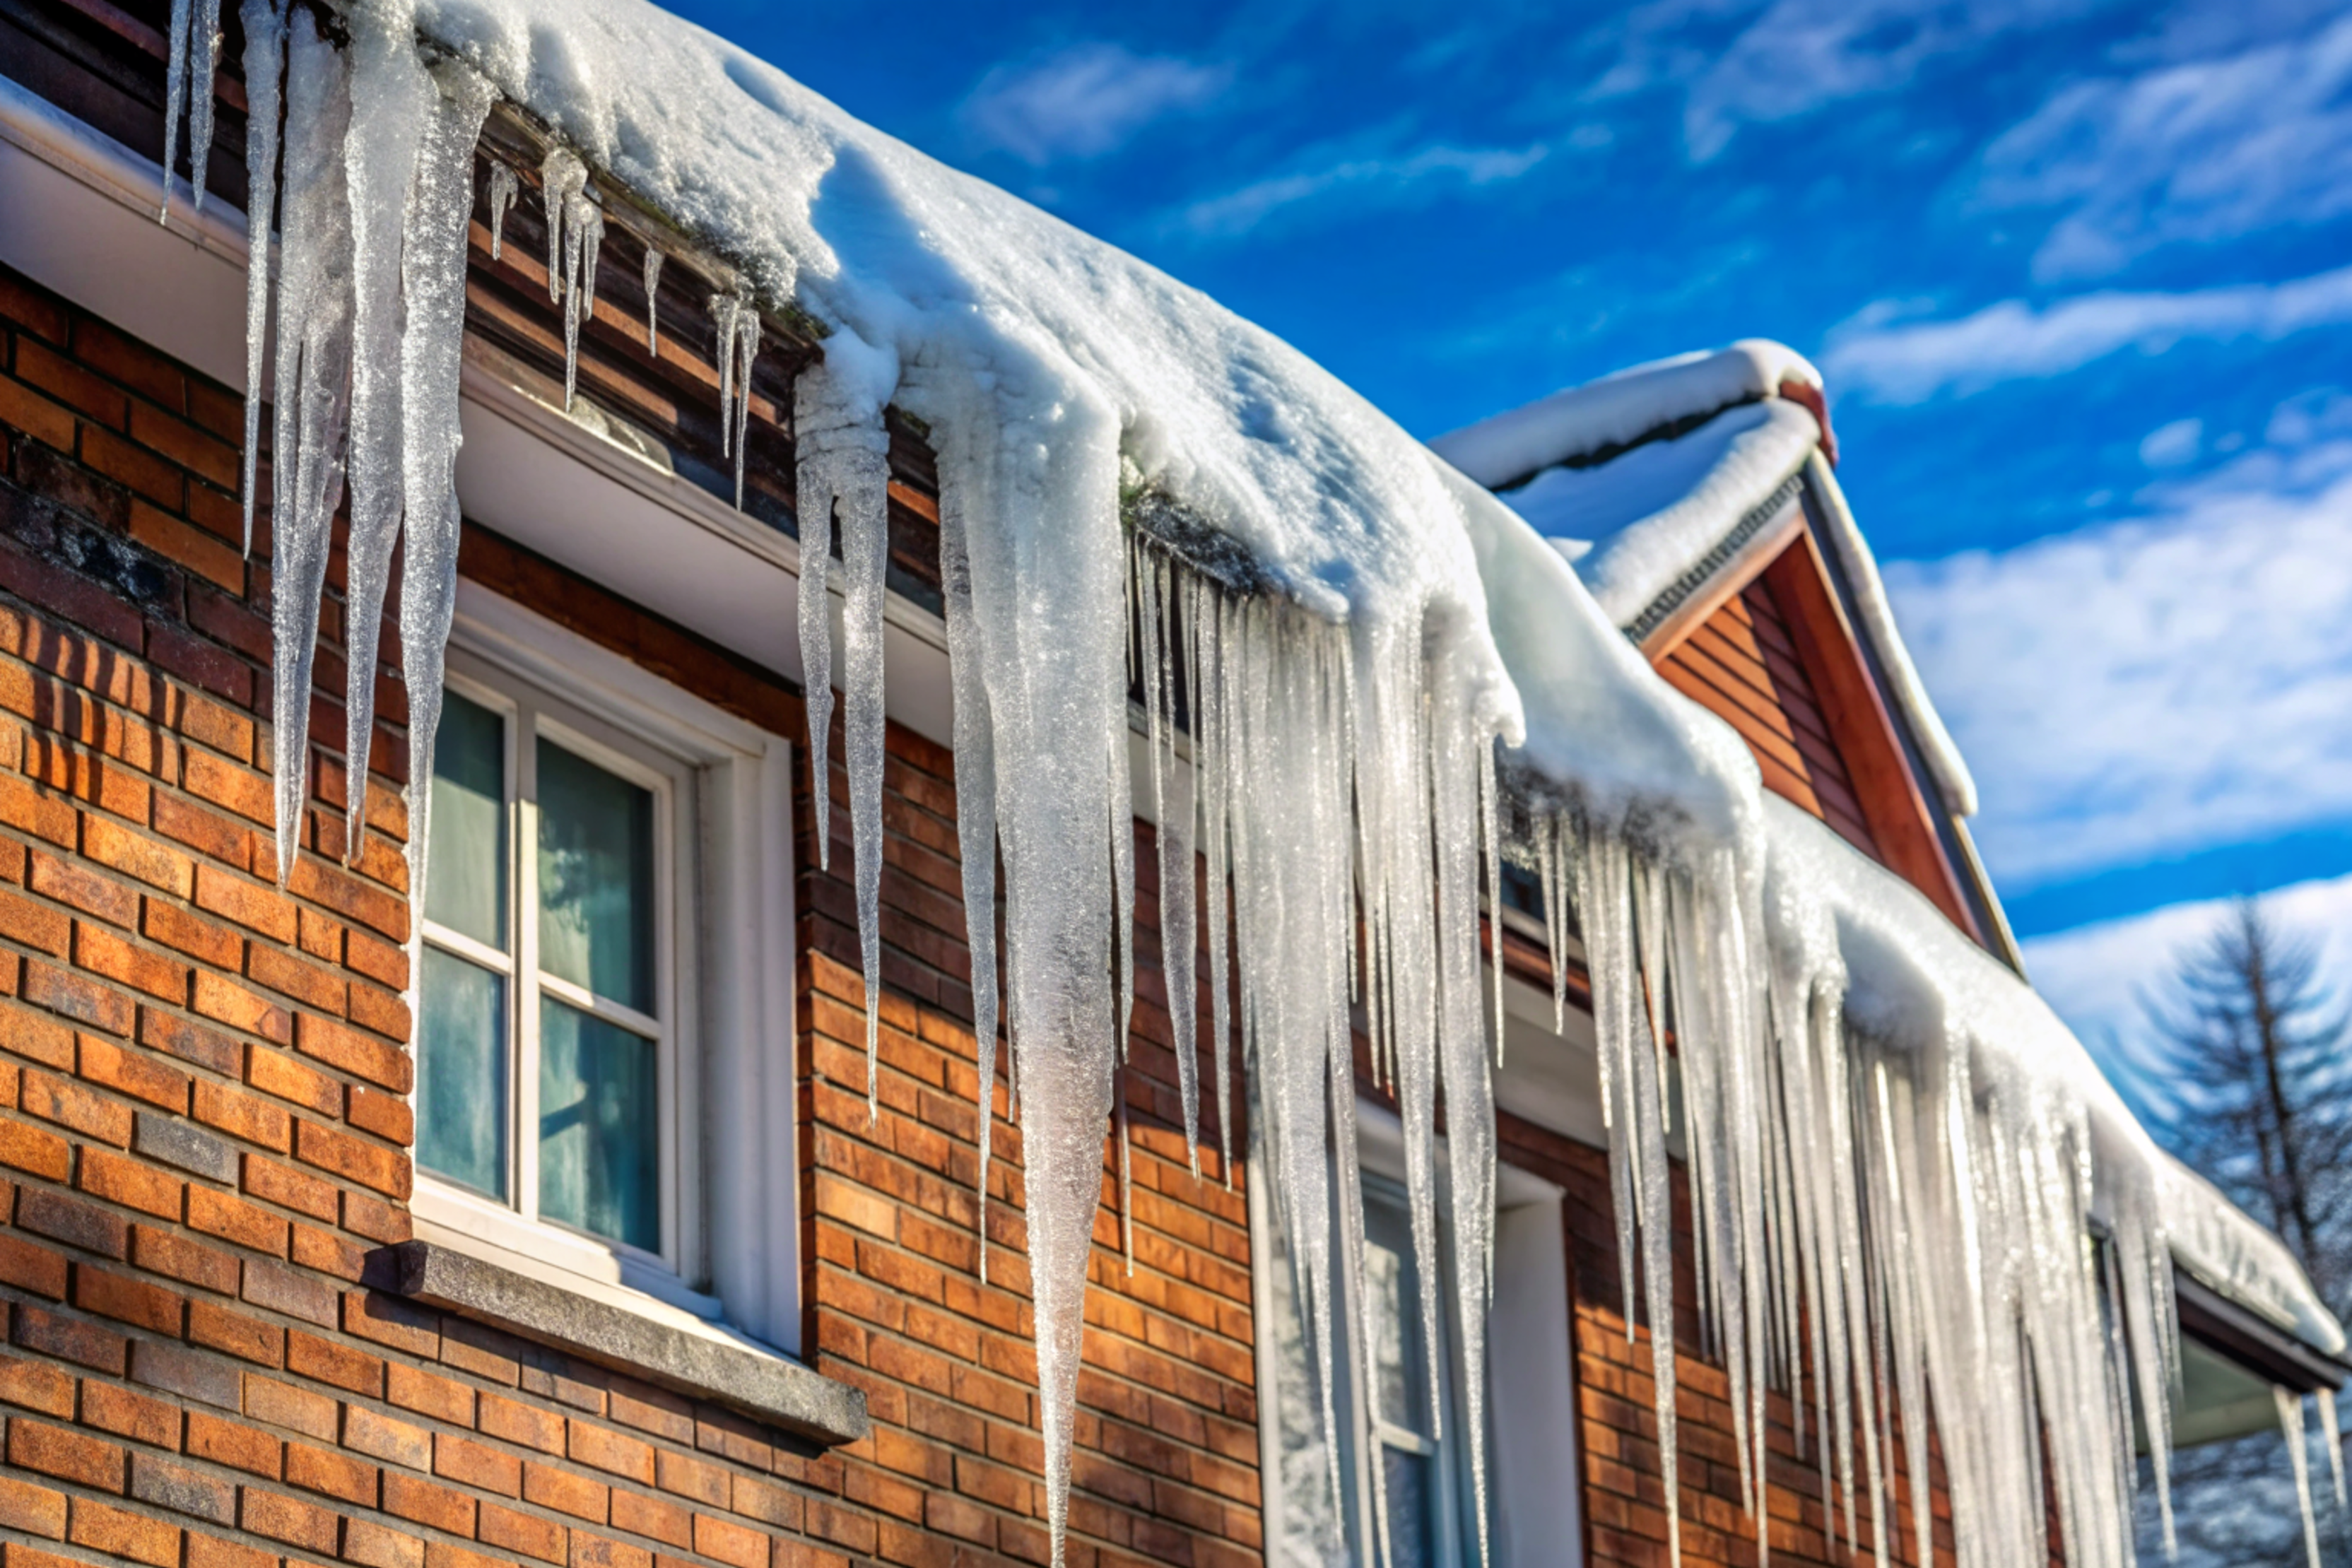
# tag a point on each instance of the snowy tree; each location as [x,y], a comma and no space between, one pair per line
[2249,1082]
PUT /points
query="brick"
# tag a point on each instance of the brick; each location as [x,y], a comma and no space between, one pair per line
[145,473]
[35,924]
[157,865]
[134,1073]
[206,941]
[382,1437]
[510,1530]
[128,1299]
[469,1463]
[70,384]
[233,1444]
[80,997]
[296,1293]
[204,830]
[211,1552]
[39,1386]
[35,1151]
[288,1188]
[32,1509]
[371,1545]
[34,1268]
[607,1450]
[191,1043]
[387,1116]
[77,886]
[328,1362]
[349,896]
[328,1253]
[729,1542]
[334,1475]
[175,1256]
[235,1334]
[183,444]
[28,1034]
[298,1409]
[36,415]
[73,1221]
[31,310]
[312,985]
[260,909]
[355,1159]
[234,1219]
[482,1351]
[190,1374]
[277,1073]
[102,952]
[129,1415]
[390,1321]
[240,1007]
[439,1554]
[191,1149]
[656,1517]
[133,364]
[362,1056]
[519,1423]
[551,1485]
[245,1116]
[598,1552]
[159,1483]
[73,1105]
[119,1532]
[304,1526]
[442,1398]
[369,1215]
[689,1477]
[69,1455]
[133,1183]
[422,1503]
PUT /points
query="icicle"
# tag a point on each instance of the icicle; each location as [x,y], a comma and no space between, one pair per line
[653,313]
[561,177]
[2290,1414]
[1123,1130]
[204,66]
[2333,1436]
[265,70]
[314,397]
[175,97]
[1173,795]
[737,319]
[433,281]
[575,232]
[391,96]
[843,473]
[503,190]
[975,783]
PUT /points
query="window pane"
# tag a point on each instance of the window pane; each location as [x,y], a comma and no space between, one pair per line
[1399,1367]
[599,1141]
[1413,1507]
[466,880]
[595,878]
[461,1074]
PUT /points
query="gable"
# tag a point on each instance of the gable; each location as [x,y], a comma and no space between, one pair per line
[1771,652]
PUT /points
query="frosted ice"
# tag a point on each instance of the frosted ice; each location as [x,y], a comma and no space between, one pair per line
[192,62]
[504,188]
[2298,1454]
[265,70]
[653,302]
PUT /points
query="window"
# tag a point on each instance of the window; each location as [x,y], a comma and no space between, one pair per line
[603,1050]
[1420,1473]
[547,1054]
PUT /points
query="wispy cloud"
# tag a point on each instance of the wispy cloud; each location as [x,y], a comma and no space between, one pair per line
[1882,354]
[2149,689]
[1084,102]
[2202,150]
[2099,977]
[1357,183]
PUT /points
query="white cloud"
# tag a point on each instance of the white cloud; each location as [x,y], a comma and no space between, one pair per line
[2199,150]
[1362,182]
[1910,360]
[2150,688]
[1084,102]
[2099,976]
[2173,446]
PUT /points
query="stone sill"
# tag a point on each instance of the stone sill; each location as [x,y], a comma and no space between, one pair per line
[760,1384]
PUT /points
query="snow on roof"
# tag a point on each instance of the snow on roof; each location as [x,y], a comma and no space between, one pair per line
[1636,524]
[1621,409]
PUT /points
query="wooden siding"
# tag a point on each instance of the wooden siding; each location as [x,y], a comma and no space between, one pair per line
[1741,665]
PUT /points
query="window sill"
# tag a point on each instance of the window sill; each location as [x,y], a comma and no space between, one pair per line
[701,1363]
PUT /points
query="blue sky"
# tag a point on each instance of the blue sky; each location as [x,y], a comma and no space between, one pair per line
[2079,273]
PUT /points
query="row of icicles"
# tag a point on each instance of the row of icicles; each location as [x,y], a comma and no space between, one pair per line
[1868,1211]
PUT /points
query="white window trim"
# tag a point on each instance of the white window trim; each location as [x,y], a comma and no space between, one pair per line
[1535,1476]
[734,1226]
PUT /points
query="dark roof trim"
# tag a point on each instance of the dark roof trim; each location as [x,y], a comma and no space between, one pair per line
[2262,1347]
[1696,575]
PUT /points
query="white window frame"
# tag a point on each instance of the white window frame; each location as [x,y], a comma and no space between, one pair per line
[724,987]
[1535,1479]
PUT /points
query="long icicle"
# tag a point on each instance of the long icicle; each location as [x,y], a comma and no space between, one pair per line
[265,74]
[175,96]
[204,69]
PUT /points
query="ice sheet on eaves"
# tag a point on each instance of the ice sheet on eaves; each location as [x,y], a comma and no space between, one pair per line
[1620,409]
[1636,523]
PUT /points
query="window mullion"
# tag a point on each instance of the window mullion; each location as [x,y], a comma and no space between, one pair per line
[525,947]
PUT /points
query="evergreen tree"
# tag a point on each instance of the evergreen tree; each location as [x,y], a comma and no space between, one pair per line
[2250,1084]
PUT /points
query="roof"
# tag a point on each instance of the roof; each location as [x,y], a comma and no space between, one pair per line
[1649,479]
